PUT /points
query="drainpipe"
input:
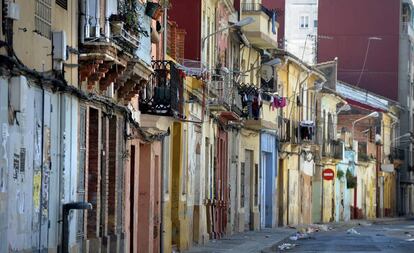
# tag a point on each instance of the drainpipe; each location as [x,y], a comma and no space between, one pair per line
[65,226]
[322,193]
[355,200]
[262,203]
[377,196]
[41,165]
[165,21]
[162,195]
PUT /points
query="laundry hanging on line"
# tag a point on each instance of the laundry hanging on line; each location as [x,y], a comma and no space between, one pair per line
[278,102]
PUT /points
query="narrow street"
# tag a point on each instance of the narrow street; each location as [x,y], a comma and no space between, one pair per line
[383,237]
[363,236]
[206,126]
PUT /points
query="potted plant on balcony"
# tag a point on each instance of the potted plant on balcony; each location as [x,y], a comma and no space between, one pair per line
[154,10]
[127,17]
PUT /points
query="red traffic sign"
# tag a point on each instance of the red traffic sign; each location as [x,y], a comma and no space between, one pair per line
[328,174]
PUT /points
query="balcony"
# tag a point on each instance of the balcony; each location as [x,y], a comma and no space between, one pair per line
[333,149]
[114,50]
[221,94]
[263,32]
[289,131]
[249,95]
[163,95]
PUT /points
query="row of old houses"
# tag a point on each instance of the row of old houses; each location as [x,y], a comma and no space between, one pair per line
[153,126]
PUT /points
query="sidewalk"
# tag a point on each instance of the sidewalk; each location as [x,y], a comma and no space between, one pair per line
[247,242]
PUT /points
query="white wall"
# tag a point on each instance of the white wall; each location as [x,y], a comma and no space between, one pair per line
[20,201]
[295,36]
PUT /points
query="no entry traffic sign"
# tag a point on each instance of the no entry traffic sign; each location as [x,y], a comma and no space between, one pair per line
[328,174]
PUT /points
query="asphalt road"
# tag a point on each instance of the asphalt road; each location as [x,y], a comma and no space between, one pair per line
[383,237]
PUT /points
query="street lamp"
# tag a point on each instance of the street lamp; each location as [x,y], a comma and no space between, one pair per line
[272,63]
[344,108]
[239,24]
[365,58]
[371,115]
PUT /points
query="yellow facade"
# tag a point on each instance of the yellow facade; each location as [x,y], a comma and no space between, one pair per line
[250,142]
[35,49]
[294,79]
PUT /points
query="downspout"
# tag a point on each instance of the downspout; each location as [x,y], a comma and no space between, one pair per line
[41,167]
[261,184]
[355,198]
[162,196]
[165,34]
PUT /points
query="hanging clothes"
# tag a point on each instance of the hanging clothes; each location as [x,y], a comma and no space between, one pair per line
[307,130]
[279,102]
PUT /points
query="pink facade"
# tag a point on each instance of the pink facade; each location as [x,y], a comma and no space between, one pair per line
[350,23]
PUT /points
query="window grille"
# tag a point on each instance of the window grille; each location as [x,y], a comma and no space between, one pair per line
[43,18]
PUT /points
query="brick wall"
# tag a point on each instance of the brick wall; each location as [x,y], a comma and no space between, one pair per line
[345,121]
[176,39]
[93,176]
[112,166]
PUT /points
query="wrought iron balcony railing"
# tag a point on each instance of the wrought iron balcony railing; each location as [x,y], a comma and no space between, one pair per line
[163,95]
[333,149]
[221,92]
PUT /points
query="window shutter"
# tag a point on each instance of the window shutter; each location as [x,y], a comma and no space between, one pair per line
[62,3]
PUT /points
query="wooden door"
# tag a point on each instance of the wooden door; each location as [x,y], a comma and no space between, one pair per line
[221,189]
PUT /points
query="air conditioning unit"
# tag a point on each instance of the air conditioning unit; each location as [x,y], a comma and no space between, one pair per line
[11,10]
[59,46]
[18,88]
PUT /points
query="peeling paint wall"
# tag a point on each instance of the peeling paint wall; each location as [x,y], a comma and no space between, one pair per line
[39,158]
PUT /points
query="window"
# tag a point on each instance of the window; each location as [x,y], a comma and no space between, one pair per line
[62,3]
[304,21]
[43,17]
[315,23]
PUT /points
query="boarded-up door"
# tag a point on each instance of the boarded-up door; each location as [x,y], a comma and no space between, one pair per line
[306,203]
[221,189]
[246,170]
[293,200]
